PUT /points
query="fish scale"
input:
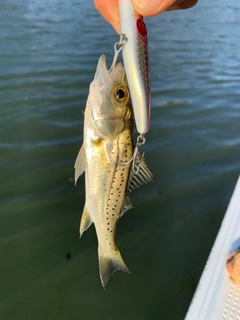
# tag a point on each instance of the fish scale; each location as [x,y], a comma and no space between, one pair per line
[117,191]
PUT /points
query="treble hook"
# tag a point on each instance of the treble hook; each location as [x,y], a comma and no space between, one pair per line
[135,162]
[140,141]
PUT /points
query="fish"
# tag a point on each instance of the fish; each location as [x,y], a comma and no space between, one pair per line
[107,156]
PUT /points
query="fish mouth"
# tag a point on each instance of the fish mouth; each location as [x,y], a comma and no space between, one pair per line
[102,64]
[102,72]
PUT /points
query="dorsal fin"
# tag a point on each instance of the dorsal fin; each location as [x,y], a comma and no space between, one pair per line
[86,221]
[139,173]
[80,163]
[126,205]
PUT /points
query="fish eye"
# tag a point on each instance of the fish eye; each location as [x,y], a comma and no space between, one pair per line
[121,94]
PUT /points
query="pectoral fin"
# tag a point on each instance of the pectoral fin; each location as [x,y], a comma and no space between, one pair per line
[109,152]
[86,221]
[80,164]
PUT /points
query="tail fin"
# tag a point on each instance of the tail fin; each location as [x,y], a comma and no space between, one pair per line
[108,264]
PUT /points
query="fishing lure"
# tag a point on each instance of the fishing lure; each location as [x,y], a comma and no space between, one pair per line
[136,63]
[118,47]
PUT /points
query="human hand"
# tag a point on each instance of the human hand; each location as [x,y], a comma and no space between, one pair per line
[109,8]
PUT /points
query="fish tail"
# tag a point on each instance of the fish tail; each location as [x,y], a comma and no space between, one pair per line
[109,263]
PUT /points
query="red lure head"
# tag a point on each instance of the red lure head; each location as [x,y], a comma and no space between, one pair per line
[141,27]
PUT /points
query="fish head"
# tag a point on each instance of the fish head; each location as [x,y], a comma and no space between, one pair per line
[111,104]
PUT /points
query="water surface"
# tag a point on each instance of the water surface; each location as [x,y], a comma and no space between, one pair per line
[49,52]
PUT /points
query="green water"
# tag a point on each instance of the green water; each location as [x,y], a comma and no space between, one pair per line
[48,56]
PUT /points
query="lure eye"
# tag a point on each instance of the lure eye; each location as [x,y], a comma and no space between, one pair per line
[121,94]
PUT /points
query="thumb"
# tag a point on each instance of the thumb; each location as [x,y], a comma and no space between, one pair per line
[152,7]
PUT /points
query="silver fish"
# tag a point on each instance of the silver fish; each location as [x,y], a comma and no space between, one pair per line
[106,156]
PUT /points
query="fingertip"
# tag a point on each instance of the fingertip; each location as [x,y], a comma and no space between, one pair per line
[187,4]
[151,8]
[155,7]
[115,25]
[109,10]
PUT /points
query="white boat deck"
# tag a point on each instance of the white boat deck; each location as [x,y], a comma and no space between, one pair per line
[216,297]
